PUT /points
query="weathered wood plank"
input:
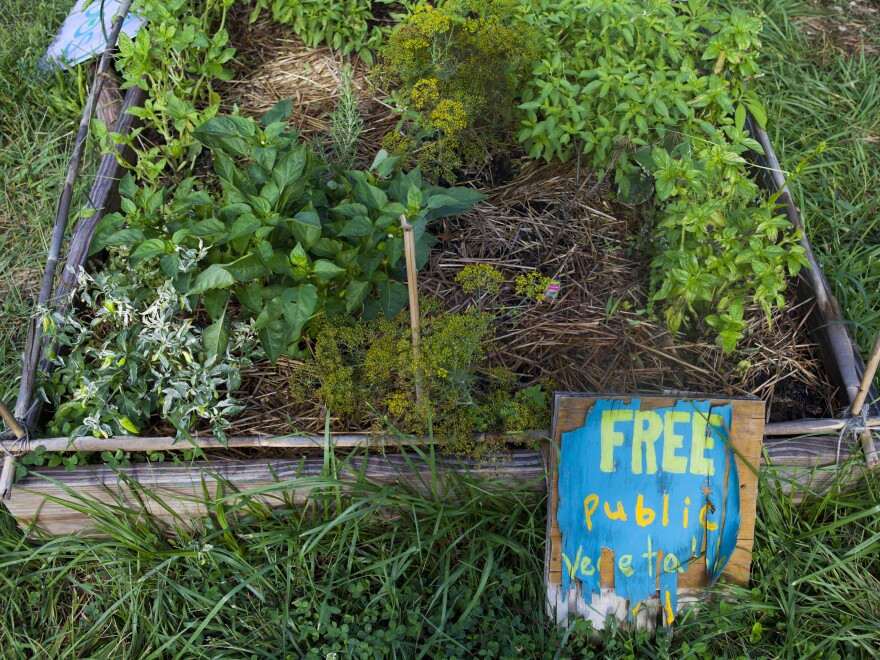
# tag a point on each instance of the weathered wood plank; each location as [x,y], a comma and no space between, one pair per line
[794,463]
[181,487]
[301,441]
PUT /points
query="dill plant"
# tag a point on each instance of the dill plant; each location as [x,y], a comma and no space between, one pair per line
[365,375]
[455,72]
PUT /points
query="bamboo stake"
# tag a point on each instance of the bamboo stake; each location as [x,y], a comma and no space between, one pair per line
[9,460]
[409,248]
[866,437]
[303,441]
[811,426]
[33,350]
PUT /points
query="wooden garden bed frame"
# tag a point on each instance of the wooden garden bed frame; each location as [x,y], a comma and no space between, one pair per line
[794,449]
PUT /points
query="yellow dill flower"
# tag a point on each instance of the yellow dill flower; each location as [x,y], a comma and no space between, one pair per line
[449,117]
[424,93]
[533,285]
[480,277]
[431,22]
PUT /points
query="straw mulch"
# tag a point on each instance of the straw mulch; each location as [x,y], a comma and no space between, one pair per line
[273,65]
[549,218]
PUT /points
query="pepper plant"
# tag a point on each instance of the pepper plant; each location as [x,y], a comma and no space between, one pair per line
[291,238]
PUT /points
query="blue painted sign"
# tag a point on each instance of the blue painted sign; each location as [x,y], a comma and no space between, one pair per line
[82,35]
[645,482]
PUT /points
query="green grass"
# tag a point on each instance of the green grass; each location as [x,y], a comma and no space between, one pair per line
[38,116]
[391,572]
[816,91]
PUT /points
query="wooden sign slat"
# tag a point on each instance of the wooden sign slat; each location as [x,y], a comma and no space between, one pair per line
[745,435]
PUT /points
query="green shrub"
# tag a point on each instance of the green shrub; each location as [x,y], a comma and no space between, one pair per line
[656,92]
[617,74]
[348,26]
[175,56]
[719,242]
[455,73]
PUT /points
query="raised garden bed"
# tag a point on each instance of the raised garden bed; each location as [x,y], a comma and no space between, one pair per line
[555,219]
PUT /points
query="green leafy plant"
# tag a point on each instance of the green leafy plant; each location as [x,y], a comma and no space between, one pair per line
[140,354]
[616,75]
[348,26]
[657,93]
[455,72]
[175,56]
[720,243]
[291,237]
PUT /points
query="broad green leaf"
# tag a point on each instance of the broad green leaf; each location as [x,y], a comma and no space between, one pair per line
[327,247]
[250,296]
[369,195]
[125,237]
[393,296]
[273,337]
[464,199]
[170,264]
[350,210]
[306,226]
[207,227]
[279,112]
[244,225]
[215,339]
[299,304]
[271,311]
[247,268]
[215,302]
[149,248]
[215,277]
[355,294]
[326,270]
[265,157]
[226,134]
[291,175]
[357,227]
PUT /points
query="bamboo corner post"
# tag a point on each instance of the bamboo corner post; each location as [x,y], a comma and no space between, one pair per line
[409,248]
[866,435]
[8,471]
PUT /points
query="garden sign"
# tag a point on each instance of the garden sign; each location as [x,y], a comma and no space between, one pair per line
[652,500]
[83,34]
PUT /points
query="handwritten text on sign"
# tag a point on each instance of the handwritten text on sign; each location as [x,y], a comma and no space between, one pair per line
[646,482]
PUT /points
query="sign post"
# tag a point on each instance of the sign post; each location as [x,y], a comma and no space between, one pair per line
[652,499]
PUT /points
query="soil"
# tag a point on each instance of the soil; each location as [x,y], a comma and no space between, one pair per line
[850,27]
